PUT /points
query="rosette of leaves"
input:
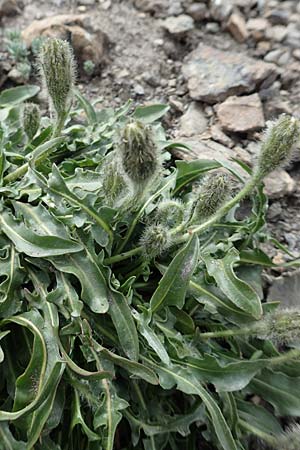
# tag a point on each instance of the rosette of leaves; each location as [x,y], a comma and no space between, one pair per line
[104,347]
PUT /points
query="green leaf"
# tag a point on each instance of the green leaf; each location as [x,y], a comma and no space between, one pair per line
[149,114]
[123,321]
[58,186]
[280,390]
[19,94]
[94,290]
[189,171]
[7,440]
[239,292]
[151,337]
[77,419]
[32,244]
[172,287]
[43,371]
[84,180]
[133,367]
[13,276]
[189,384]
[87,106]
[227,377]
[259,417]
[2,335]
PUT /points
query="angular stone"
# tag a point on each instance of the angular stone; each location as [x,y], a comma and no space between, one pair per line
[278,184]
[213,75]
[208,149]
[220,10]
[237,27]
[286,290]
[179,24]
[87,46]
[10,7]
[198,11]
[241,114]
[43,27]
[193,122]
[257,27]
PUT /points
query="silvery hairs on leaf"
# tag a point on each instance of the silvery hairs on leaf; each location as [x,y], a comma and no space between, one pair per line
[31,118]
[138,153]
[277,145]
[58,73]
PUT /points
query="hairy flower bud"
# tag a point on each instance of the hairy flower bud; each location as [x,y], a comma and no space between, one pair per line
[281,326]
[58,71]
[113,183]
[138,151]
[290,440]
[170,213]
[212,193]
[155,240]
[277,146]
[31,119]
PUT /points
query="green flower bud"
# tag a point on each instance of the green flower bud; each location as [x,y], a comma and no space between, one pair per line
[290,440]
[212,194]
[138,152]
[170,213]
[281,326]
[113,183]
[58,71]
[155,240]
[277,146]
[31,119]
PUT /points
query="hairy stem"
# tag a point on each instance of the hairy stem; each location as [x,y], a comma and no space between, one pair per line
[196,230]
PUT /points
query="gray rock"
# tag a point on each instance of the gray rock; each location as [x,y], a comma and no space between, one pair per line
[286,289]
[257,27]
[276,33]
[213,75]
[198,11]
[220,10]
[278,17]
[278,184]
[241,114]
[212,27]
[236,25]
[193,122]
[178,25]
[279,56]
[293,36]
[296,54]
[10,7]
[208,149]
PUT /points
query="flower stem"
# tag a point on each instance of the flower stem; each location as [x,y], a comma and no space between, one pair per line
[197,230]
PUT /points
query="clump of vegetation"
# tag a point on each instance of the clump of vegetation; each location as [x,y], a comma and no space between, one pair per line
[89,67]
[132,314]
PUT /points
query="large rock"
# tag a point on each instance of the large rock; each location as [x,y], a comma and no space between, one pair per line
[193,122]
[237,27]
[211,150]
[87,46]
[10,7]
[178,25]
[286,290]
[279,183]
[213,75]
[241,114]
[50,26]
